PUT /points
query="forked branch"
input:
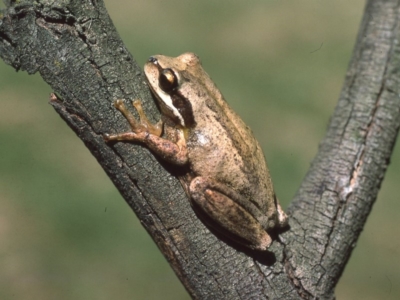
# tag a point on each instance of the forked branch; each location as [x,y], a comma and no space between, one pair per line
[76,49]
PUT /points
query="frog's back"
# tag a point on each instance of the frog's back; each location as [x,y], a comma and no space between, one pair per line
[221,146]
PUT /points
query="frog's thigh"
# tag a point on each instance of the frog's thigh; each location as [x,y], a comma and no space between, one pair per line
[212,197]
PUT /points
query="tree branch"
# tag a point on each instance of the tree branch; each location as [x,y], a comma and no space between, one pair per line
[77,51]
[332,205]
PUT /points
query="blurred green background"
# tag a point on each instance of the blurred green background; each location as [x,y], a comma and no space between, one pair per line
[66,233]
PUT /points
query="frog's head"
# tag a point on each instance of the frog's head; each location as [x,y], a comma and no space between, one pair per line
[176,82]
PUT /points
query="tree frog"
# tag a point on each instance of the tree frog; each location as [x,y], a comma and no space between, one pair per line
[224,171]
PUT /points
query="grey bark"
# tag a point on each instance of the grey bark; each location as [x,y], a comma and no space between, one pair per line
[76,49]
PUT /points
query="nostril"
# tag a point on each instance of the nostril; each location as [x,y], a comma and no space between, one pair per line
[153,60]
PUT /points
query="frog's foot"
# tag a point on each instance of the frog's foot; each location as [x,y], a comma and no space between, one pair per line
[140,129]
[155,129]
[283,219]
[215,200]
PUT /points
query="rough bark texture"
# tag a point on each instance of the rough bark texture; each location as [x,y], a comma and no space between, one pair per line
[76,49]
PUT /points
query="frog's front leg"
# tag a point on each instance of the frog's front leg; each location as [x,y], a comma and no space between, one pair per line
[221,204]
[145,132]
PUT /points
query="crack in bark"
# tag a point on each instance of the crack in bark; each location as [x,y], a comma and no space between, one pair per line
[296,283]
[360,158]
[261,273]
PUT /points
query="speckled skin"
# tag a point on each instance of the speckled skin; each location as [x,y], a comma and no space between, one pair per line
[227,175]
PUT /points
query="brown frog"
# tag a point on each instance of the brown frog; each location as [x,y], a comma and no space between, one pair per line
[226,175]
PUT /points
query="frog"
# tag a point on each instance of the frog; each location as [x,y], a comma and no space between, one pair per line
[224,172]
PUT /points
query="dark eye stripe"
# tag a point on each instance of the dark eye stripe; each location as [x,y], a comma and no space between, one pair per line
[184,107]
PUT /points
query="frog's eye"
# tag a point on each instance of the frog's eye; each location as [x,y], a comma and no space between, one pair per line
[168,81]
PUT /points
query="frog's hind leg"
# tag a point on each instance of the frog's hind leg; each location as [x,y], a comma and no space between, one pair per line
[218,202]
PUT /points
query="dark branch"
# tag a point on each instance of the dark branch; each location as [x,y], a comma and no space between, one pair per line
[332,205]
